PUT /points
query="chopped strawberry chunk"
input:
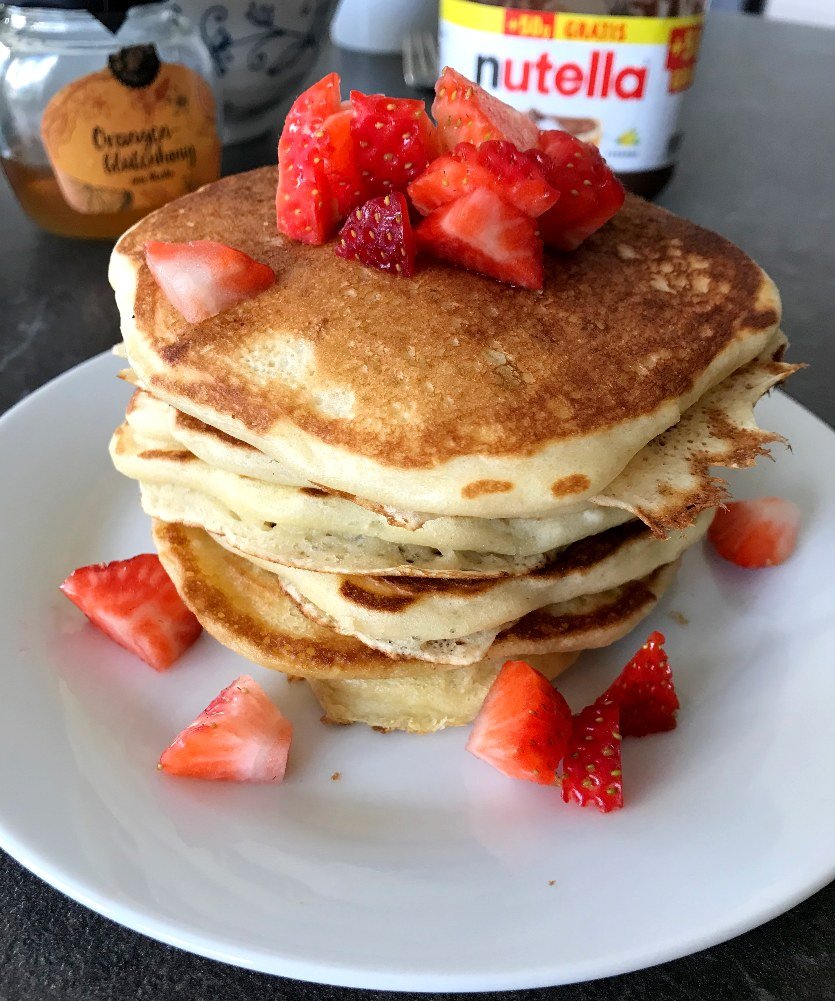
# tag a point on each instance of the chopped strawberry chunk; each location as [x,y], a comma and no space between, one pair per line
[518,177]
[482,233]
[379,235]
[465,112]
[304,203]
[644,691]
[203,278]
[239,737]
[590,194]
[444,180]
[339,159]
[394,140]
[756,533]
[305,208]
[497,165]
[135,603]
[592,767]
[523,726]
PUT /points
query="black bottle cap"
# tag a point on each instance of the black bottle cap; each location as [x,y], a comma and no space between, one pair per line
[111,13]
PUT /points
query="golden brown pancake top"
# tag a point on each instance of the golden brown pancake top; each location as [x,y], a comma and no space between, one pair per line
[449,363]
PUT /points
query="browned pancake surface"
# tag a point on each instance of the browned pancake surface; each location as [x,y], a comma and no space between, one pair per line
[449,363]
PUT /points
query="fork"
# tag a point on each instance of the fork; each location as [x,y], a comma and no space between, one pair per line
[420,59]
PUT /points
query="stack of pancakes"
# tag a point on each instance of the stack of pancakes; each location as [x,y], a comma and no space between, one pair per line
[389,486]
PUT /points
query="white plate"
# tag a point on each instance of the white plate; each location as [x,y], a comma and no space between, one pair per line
[421,869]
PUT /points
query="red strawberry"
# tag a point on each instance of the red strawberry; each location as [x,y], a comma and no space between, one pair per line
[444,180]
[239,737]
[482,233]
[340,162]
[592,766]
[203,278]
[380,235]
[393,138]
[305,208]
[756,533]
[304,202]
[497,165]
[590,194]
[465,112]
[523,726]
[134,603]
[644,692]
[518,176]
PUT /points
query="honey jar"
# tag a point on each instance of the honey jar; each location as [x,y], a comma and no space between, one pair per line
[108,111]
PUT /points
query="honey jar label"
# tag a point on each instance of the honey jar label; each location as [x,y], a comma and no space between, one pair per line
[133,135]
[614,81]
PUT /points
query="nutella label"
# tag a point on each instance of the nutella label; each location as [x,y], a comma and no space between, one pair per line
[617,82]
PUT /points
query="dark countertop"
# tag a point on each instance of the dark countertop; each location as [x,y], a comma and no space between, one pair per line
[757,167]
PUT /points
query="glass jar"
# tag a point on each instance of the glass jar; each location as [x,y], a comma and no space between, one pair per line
[611,72]
[106,112]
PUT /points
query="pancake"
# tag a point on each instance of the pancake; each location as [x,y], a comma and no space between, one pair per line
[246,610]
[666,484]
[447,393]
[420,705]
[450,621]
[669,481]
[313,529]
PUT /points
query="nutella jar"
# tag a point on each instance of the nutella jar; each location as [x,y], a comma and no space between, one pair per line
[611,72]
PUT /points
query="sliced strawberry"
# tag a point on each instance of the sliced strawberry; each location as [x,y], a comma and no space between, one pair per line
[379,235]
[305,207]
[134,603]
[592,766]
[239,737]
[590,194]
[518,177]
[465,112]
[644,691]
[394,140]
[304,203]
[523,726]
[339,159]
[497,165]
[444,180]
[482,233]
[756,533]
[203,278]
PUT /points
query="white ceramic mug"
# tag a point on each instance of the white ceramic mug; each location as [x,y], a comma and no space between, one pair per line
[261,50]
[381,25]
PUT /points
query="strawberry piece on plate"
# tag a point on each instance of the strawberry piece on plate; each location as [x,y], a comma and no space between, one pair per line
[203,278]
[379,235]
[304,203]
[135,603]
[590,194]
[465,112]
[497,165]
[393,138]
[592,766]
[523,727]
[644,691]
[239,737]
[756,533]
[482,233]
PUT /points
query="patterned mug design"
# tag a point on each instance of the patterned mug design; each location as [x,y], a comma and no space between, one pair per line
[284,39]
